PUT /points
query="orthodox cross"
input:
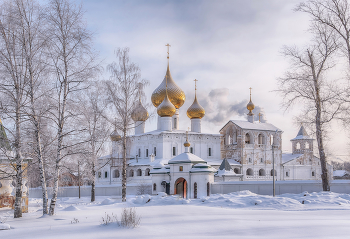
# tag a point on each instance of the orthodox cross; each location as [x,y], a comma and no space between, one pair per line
[167,45]
[195,86]
[250,93]
[259,116]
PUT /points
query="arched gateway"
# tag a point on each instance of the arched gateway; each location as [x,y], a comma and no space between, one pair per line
[181,187]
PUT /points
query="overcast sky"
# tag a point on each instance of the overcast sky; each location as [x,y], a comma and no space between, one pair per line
[228,46]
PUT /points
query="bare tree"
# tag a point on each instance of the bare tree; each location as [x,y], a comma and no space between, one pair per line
[73,63]
[334,14]
[14,74]
[307,83]
[93,117]
[123,91]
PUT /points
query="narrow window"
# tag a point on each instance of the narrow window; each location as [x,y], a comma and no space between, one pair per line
[247,138]
[181,168]
[139,154]
[155,151]
[175,125]
[209,152]
[208,189]
[146,153]
[147,172]
[174,151]
[313,174]
[191,150]
[195,190]
[106,174]
[139,172]
[99,174]
[154,187]
[131,173]
[287,174]
[250,160]
[116,173]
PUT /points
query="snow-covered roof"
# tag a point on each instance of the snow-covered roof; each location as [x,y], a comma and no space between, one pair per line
[160,171]
[288,157]
[186,158]
[227,173]
[302,134]
[202,167]
[158,132]
[340,173]
[225,165]
[255,126]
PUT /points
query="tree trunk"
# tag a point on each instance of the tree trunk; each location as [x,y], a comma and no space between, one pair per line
[319,135]
[93,172]
[55,191]
[124,167]
[18,200]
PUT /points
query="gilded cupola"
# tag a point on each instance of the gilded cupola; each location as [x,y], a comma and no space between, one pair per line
[195,111]
[166,108]
[250,105]
[139,113]
[175,94]
[115,136]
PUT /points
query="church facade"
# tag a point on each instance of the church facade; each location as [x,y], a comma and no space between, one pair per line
[182,162]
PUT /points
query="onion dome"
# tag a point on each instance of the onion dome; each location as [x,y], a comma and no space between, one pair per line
[166,108]
[175,93]
[250,105]
[196,111]
[115,136]
[139,113]
[187,144]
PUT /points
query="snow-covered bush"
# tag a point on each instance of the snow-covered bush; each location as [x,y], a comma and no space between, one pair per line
[107,219]
[129,218]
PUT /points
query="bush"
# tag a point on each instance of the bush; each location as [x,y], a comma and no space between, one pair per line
[129,218]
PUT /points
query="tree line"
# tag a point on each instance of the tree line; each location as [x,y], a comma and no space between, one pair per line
[57,112]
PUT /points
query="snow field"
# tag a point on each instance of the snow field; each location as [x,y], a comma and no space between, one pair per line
[235,215]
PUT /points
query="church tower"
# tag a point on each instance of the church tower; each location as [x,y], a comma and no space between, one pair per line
[302,143]
[250,107]
[175,94]
[139,115]
[196,112]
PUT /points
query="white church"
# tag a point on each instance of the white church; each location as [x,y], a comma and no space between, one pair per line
[186,163]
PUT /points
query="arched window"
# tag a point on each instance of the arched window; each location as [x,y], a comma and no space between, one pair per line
[313,174]
[247,138]
[195,190]
[249,160]
[271,139]
[154,187]
[236,170]
[262,172]
[139,172]
[209,152]
[191,150]
[261,139]
[298,146]
[272,172]
[250,172]
[116,173]
[131,173]
[287,174]
[106,174]
[147,172]
[208,189]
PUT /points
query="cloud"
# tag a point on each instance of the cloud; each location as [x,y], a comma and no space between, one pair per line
[219,107]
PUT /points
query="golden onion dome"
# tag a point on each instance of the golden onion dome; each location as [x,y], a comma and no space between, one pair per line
[166,108]
[196,111]
[115,136]
[187,144]
[176,95]
[250,105]
[139,113]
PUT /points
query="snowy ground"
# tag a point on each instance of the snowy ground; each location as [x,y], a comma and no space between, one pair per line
[236,215]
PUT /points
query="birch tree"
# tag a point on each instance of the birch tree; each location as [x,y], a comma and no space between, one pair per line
[306,83]
[93,117]
[123,90]
[73,64]
[13,71]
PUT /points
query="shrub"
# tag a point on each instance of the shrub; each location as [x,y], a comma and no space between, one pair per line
[129,218]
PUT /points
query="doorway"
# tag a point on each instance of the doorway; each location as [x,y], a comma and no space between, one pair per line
[181,187]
